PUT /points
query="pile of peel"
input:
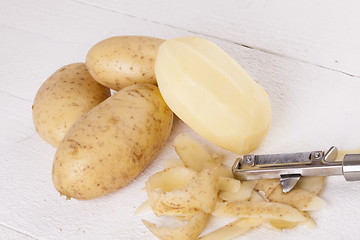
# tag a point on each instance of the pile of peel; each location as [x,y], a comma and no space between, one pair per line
[198,186]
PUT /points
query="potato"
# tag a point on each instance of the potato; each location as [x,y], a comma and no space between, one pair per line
[212,94]
[63,98]
[119,62]
[112,143]
[189,231]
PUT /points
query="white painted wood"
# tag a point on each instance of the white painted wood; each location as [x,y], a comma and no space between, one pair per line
[313,107]
[320,32]
[10,234]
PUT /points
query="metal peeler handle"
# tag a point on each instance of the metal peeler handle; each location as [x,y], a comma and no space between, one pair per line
[290,167]
[351,167]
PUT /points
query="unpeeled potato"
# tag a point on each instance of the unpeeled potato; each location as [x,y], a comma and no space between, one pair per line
[118,62]
[63,98]
[112,143]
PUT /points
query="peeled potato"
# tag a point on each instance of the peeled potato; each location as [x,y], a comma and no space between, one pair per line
[212,93]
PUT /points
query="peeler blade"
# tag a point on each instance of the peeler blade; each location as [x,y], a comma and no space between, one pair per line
[290,167]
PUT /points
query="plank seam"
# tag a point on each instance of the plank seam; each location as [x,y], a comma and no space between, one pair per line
[215,37]
[11,95]
[15,230]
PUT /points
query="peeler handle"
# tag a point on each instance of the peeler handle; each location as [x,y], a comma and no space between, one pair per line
[351,167]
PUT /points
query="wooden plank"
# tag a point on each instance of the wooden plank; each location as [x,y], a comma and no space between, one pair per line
[321,32]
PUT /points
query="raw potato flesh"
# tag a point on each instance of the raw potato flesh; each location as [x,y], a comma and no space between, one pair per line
[188,232]
[212,93]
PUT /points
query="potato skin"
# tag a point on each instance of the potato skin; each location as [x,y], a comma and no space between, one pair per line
[112,143]
[63,98]
[118,62]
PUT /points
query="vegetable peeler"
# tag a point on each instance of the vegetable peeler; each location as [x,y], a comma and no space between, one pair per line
[290,167]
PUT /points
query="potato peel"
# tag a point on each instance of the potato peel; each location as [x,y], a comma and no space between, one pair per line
[243,194]
[264,210]
[197,184]
[229,184]
[234,229]
[143,207]
[190,231]
[313,185]
[298,198]
[185,200]
[195,156]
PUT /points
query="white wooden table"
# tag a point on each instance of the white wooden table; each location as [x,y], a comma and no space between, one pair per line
[306,54]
